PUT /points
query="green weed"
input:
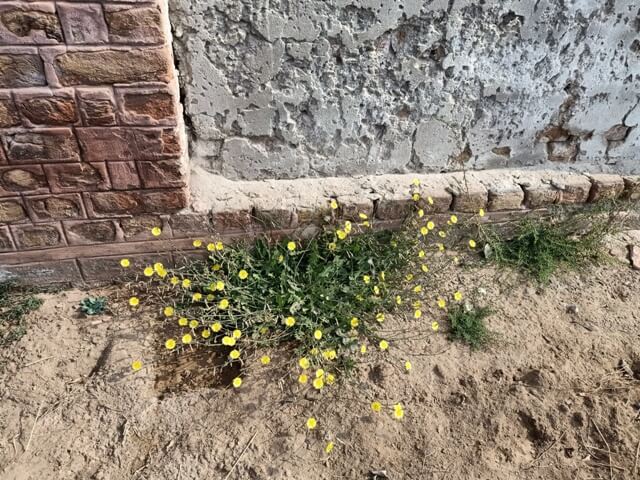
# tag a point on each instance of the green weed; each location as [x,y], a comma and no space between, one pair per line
[93,305]
[467,325]
[15,304]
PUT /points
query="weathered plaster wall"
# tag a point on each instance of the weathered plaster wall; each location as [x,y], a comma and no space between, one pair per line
[295,88]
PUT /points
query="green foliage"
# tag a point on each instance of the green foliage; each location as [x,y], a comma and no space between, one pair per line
[93,305]
[15,304]
[467,325]
[567,240]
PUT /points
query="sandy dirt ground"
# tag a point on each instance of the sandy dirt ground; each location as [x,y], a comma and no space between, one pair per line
[547,400]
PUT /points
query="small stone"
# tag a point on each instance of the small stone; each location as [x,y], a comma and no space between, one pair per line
[572,309]
[634,256]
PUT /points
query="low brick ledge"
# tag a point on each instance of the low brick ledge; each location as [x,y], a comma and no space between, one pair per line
[233,211]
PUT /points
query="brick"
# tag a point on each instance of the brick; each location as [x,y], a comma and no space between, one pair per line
[45,273]
[274,214]
[12,210]
[29,237]
[101,67]
[468,196]
[41,146]
[6,244]
[230,219]
[32,23]
[161,174]
[97,107]
[54,207]
[77,177]
[573,188]
[21,70]
[139,227]
[132,25]
[108,269]
[539,194]
[124,175]
[631,188]
[121,144]
[138,202]
[189,225]
[83,23]
[146,106]
[26,179]
[87,232]
[8,113]
[605,187]
[504,192]
[53,107]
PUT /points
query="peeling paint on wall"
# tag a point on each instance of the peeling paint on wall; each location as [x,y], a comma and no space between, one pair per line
[288,89]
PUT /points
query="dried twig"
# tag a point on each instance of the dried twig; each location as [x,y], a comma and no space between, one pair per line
[35,422]
[634,470]
[240,456]
[38,361]
[539,456]
[608,448]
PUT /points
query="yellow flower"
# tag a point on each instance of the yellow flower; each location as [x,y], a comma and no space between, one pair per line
[435,326]
[417,304]
[211,247]
[417,314]
[441,303]
[228,341]
[265,360]
[341,234]
[328,449]
[354,322]
[317,334]
[304,363]
[409,277]
[376,290]
[441,247]
[318,383]
[194,324]
[216,327]
[398,300]
[366,279]
[366,223]
[136,365]
[380,317]
[457,296]
[183,322]
[472,243]
[421,254]
[333,204]
[319,373]
[415,197]
[376,406]
[280,258]
[243,274]
[187,338]
[442,234]
[363,349]
[134,301]
[311,423]
[124,263]
[234,354]
[220,285]
[421,213]
[148,272]
[197,243]
[210,298]
[347,226]
[431,225]
[417,288]
[415,182]
[186,283]
[236,333]
[424,268]
[216,267]
[156,231]
[407,366]
[174,280]
[330,379]
[329,354]
[162,273]
[303,378]
[219,246]
[332,246]
[363,216]
[314,351]
[237,382]
[158,267]
[291,246]
[481,212]
[424,230]
[384,345]
[430,200]
[206,333]
[170,344]
[381,275]
[454,219]
[398,411]
[290,321]
[223,304]
[168,311]
[196,297]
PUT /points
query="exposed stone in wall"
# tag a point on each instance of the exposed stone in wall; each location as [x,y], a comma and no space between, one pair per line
[285,89]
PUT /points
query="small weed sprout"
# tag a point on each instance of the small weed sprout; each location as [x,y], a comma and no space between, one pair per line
[326,298]
[15,303]
[467,325]
[93,305]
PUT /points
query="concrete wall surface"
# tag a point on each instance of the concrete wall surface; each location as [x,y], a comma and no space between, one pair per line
[305,88]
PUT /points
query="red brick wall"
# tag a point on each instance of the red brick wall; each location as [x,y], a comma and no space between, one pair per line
[90,130]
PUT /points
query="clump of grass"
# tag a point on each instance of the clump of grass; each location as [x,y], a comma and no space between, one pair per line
[93,305]
[15,303]
[467,325]
[567,240]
